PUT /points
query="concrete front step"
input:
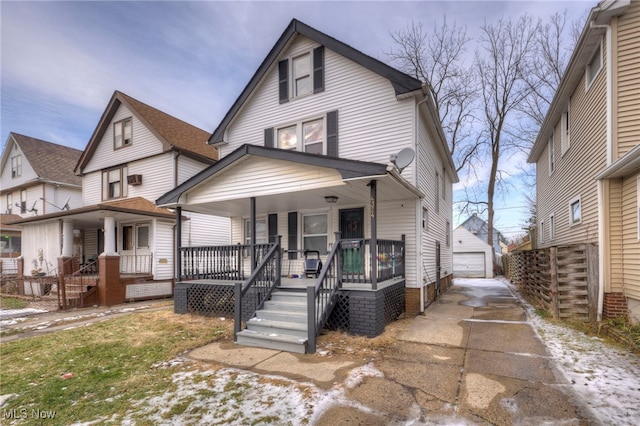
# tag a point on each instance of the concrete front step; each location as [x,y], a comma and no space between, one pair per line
[278,327]
[279,342]
[282,315]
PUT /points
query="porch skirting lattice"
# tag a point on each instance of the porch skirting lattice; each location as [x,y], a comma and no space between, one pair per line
[360,312]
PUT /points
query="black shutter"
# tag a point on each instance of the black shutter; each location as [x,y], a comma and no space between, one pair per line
[293,234]
[273,227]
[268,137]
[332,133]
[283,81]
[318,69]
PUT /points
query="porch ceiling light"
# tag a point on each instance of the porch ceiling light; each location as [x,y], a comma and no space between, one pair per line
[331,199]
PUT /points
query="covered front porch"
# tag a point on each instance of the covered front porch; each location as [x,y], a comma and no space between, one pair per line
[333,231]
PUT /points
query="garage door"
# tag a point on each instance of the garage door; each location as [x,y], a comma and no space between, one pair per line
[469,265]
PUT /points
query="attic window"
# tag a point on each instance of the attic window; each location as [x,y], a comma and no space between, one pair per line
[122,134]
[301,73]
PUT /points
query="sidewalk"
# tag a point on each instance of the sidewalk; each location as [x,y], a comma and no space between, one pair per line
[471,359]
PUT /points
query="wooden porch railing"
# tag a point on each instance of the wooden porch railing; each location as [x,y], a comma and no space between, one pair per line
[251,294]
[321,297]
[136,263]
[219,262]
[359,265]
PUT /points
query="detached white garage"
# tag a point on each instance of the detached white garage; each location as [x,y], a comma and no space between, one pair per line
[472,257]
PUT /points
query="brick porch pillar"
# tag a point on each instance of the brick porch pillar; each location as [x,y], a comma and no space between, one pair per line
[111,291]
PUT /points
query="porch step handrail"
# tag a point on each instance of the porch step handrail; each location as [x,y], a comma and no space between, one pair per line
[264,278]
[322,296]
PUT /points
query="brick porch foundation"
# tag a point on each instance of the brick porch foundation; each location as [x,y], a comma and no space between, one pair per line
[615,305]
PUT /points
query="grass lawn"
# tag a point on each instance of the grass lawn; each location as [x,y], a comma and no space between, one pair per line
[96,371]
[13,303]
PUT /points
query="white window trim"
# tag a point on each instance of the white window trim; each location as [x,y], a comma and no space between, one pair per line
[448,234]
[245,235]
[565,130]
[121,124]
[299,135]
[552,227]
[577,199]
[541,237]
[589,79]
[292,78]
[552,154]
[425,218]
[16,166]
[9,203]
[301,226]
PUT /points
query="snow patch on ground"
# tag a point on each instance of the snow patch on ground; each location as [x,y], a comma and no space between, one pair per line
[605,378]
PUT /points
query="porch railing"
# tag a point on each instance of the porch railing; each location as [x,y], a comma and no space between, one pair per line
[219,262]
[78,288]
[321,297]
[251,294]
[358,264]
[136,263]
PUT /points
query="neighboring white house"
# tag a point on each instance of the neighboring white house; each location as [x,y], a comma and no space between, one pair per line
[472,257]
[135,154]
[306,151]
[36,179]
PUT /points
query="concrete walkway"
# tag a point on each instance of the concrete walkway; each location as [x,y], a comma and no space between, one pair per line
[471,359]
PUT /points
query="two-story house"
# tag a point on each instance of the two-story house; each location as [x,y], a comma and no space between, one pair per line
[136,154]
[36,179]
[587,155]
[307,152]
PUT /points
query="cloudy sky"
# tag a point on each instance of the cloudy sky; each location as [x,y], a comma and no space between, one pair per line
[62,61]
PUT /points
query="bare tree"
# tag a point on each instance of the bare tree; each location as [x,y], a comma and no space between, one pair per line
[438,60]
[501,60]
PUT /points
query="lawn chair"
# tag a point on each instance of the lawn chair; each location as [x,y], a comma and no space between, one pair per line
[312,266]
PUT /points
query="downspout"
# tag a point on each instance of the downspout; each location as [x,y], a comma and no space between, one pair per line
[602,279]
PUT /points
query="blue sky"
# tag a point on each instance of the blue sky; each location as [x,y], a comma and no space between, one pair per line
[62,61]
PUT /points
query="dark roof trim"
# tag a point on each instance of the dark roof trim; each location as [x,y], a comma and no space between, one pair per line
[402,83]
[348,169]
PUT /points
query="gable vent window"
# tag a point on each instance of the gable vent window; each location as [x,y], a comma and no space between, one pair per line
[594,66]
[122,133]
[16,166]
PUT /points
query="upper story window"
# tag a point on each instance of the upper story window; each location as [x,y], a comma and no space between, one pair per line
[552,227]
[437,192]
[114,183]
[16,166]
[552,156]
[23,201]
[425,218]
[565,124]
[448,234]
[9,203]
[308,136]
[301,75]
[542,231]
[122,133]
[444,184]
[593,67]
[575,211]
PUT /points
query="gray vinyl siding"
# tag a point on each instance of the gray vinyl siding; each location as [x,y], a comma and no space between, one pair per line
[187,167]
[205,230]
[630,242]
[576,170]
[58,197]
[372,123]
[92,188]
[628,79]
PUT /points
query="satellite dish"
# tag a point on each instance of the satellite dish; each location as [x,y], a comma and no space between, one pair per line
[402,159]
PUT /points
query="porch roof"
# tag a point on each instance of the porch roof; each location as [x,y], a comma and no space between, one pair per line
[624,166]
[289,180]
[129,207]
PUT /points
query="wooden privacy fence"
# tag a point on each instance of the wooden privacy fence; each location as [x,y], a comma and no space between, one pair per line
[563,280]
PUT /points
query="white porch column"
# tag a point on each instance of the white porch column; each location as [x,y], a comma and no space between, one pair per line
[110,236]
[67,238]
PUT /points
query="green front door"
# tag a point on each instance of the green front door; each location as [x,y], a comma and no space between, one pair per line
[352,232]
